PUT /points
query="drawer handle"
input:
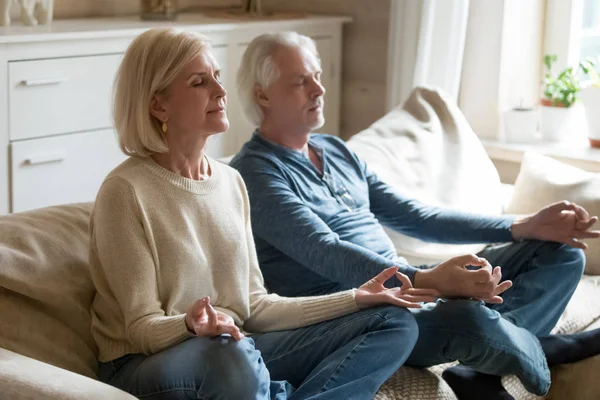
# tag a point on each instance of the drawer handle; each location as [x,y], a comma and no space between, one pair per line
[45,159]
[42,82]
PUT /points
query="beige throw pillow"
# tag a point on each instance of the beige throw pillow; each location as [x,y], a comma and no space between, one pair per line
[45,287]
[543,180]
[426,149]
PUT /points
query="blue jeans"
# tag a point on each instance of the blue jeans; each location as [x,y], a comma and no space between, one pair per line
[501,339]
[346,358]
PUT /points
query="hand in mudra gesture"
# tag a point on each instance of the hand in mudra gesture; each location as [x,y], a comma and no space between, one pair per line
[374,293]
[454,279]
[203,320]
[562,222]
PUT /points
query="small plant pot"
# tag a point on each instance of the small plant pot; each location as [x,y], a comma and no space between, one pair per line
[556,122]
[520,125]
[591,103]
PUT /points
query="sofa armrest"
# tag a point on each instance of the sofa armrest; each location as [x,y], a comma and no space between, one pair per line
[23,378]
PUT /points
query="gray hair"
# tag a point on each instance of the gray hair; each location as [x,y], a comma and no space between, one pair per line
[258,68]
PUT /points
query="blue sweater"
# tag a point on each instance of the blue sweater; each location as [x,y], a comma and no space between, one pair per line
[318,233]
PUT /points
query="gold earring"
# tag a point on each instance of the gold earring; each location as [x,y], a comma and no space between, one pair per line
[164,126]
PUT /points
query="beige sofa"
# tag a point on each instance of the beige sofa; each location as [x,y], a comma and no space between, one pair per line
[47,352]
[46,349]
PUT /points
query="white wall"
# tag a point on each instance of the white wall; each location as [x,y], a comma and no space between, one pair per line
[522,44]
[502,61]
[479,89]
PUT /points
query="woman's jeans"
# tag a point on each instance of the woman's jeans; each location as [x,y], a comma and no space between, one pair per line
[346,358]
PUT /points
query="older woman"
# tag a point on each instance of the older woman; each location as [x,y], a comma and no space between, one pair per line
[181,310]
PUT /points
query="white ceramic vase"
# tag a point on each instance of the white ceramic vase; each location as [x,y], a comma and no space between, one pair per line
[520,125]
[591,102]
[556,123]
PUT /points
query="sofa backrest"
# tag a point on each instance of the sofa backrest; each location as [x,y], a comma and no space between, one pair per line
[45,286]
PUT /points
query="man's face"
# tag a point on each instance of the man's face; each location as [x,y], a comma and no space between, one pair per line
[294,102]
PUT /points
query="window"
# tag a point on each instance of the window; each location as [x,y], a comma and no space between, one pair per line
[590,30]
[572,31]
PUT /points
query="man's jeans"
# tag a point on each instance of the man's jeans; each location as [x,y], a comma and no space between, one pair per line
[346,358]
[501,339]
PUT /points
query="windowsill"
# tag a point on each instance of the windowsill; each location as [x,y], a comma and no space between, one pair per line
[576,152]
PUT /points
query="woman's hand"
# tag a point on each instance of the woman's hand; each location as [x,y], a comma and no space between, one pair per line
[203,320]
[373,293]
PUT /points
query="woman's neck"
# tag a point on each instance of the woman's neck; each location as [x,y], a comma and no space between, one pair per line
[187,161]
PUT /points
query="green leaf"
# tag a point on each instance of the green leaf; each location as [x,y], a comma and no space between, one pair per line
[550,59]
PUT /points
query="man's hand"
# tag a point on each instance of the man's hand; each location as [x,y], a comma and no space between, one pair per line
[562,222]
[374,293]
[453,280]
[203,320]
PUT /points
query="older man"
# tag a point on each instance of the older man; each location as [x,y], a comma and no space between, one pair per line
[316,211]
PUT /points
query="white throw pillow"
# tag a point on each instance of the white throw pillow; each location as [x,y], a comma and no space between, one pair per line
[543,180]
[427,150]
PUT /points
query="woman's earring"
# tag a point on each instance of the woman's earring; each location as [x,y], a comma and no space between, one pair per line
[164,126]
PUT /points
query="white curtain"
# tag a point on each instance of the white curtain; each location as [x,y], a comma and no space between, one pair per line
[426,46]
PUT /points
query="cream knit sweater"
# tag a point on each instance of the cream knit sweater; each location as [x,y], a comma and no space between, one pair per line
[160,241]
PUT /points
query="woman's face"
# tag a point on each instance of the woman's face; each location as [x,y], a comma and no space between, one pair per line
[194,103]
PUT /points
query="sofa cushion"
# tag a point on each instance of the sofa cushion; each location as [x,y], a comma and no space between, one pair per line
[426,149]
[583,308]
[576,381]
[45,287]
[543,180]
[23,378]
[415,384]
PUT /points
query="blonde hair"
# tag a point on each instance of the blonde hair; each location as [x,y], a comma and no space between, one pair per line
[258,68]
[151,63]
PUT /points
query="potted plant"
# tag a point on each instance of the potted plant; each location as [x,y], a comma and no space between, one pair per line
[590,96]
[560,94]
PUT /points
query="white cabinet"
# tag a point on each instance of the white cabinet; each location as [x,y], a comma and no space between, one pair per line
[63,95]
[61,169]
[56,137]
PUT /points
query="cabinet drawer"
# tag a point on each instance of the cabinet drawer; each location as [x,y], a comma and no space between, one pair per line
[61,169]
[49,97]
